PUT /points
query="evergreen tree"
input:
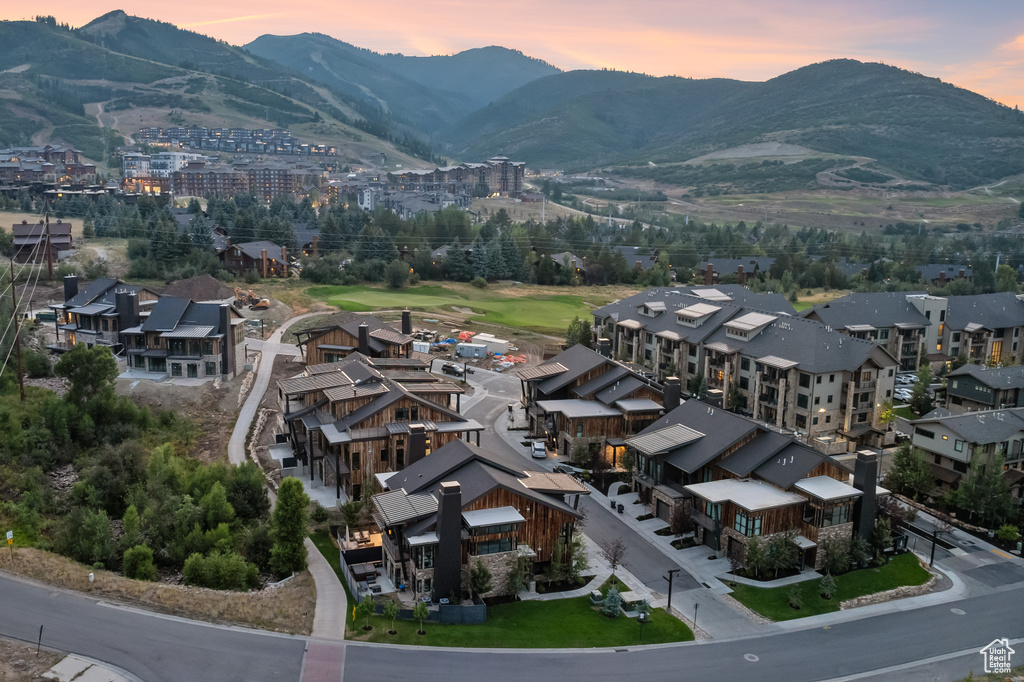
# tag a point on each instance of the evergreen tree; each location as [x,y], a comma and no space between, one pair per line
[455,266]
[289,518]
[909,474]
[579,332]
[983,495]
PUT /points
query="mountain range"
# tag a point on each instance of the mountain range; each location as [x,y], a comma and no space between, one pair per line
[471,105]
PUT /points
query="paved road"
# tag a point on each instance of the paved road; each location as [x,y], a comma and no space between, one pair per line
[642,559]
[894,646]
[154,648]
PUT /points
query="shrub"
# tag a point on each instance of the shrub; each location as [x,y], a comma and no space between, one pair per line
[827,586]
[220,571]
[479,282]
[611,606]
[37,365]
[320,514]
[796,598]
[1008,533]
[138,563]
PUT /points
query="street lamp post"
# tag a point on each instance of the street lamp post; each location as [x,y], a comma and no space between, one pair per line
[671,572]
[695,605]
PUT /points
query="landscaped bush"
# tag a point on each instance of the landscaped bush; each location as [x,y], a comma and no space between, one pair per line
[138,563]
[220,571]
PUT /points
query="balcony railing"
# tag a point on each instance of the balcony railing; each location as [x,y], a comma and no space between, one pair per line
[705,521]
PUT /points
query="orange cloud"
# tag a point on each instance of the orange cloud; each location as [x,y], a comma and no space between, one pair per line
[230,20]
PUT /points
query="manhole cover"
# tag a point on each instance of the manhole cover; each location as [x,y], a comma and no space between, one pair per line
[959,612]
[753,658]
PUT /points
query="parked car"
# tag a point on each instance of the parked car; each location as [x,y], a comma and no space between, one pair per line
[903,394]
[539,450]
[452,369]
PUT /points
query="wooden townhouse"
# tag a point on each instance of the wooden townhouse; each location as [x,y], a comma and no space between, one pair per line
[266,259]
[738,480]
[351,420]
[462,505]
[41,242]
[366,335]
[583,400]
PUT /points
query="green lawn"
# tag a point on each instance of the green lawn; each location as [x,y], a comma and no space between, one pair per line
[560,623]
[773,602]
[530,624]
[904,412]
[801,306]
[544,313]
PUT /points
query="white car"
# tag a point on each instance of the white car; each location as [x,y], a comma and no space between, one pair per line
[903,395]
[539,450]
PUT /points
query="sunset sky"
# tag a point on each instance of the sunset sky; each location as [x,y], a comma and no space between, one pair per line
[976,45]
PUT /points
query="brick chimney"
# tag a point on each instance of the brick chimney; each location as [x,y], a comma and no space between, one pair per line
[263,262]
[284,262]
[963,274]
[741,276]
[942,277]
[316,245]
[448,562]
[709,274]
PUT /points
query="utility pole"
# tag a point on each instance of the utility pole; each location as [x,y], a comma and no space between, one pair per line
[671,572]
[49,254]
[17,341]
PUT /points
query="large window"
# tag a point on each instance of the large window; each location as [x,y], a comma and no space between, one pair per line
[175,369]
[747,524]
[424,556]
[211,368]
[499,528]
[494,546]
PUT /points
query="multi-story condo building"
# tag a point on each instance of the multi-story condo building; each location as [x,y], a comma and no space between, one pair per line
[757,358]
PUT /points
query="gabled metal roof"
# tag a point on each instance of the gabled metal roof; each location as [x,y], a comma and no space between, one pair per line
[663,440]
[542,371]
[396,507]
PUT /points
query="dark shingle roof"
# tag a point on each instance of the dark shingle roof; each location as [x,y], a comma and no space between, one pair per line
[989,426]
[720,428]
[997,378]
[994,311]
[880,310]
[935,270]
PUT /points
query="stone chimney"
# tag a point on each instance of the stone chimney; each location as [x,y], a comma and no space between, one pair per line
[284,262]
[671,393]
[70,287]
[263,263]
[448,561]
[709,274]
[316,245]
[416,449]
[364,339]
[942,278]
[741,276]
[865,479]
[407,322]
[604,347]
[963,274]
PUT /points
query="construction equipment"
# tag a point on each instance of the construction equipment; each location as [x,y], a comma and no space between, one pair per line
[261,304]
[246,297]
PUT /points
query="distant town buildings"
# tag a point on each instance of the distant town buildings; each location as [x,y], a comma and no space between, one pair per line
[47,166]
[256,141]
[497,175]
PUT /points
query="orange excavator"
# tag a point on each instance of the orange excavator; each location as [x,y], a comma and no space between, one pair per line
[249,298]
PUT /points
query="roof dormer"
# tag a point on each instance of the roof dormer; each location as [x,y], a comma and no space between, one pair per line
[696,315]
[651,308]
[746,327]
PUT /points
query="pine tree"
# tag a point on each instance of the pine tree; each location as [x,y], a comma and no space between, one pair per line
[289,519]
[909,473]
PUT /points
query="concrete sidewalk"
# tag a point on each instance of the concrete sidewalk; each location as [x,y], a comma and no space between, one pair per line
[331,601]
[82,669]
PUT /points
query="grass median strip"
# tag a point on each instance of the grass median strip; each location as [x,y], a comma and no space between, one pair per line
[773,602]
[555,624]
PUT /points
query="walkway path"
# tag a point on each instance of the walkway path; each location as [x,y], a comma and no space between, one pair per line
[269,350]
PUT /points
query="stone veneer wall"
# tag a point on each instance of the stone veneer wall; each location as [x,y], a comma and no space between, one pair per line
[499,564]
[842,531]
